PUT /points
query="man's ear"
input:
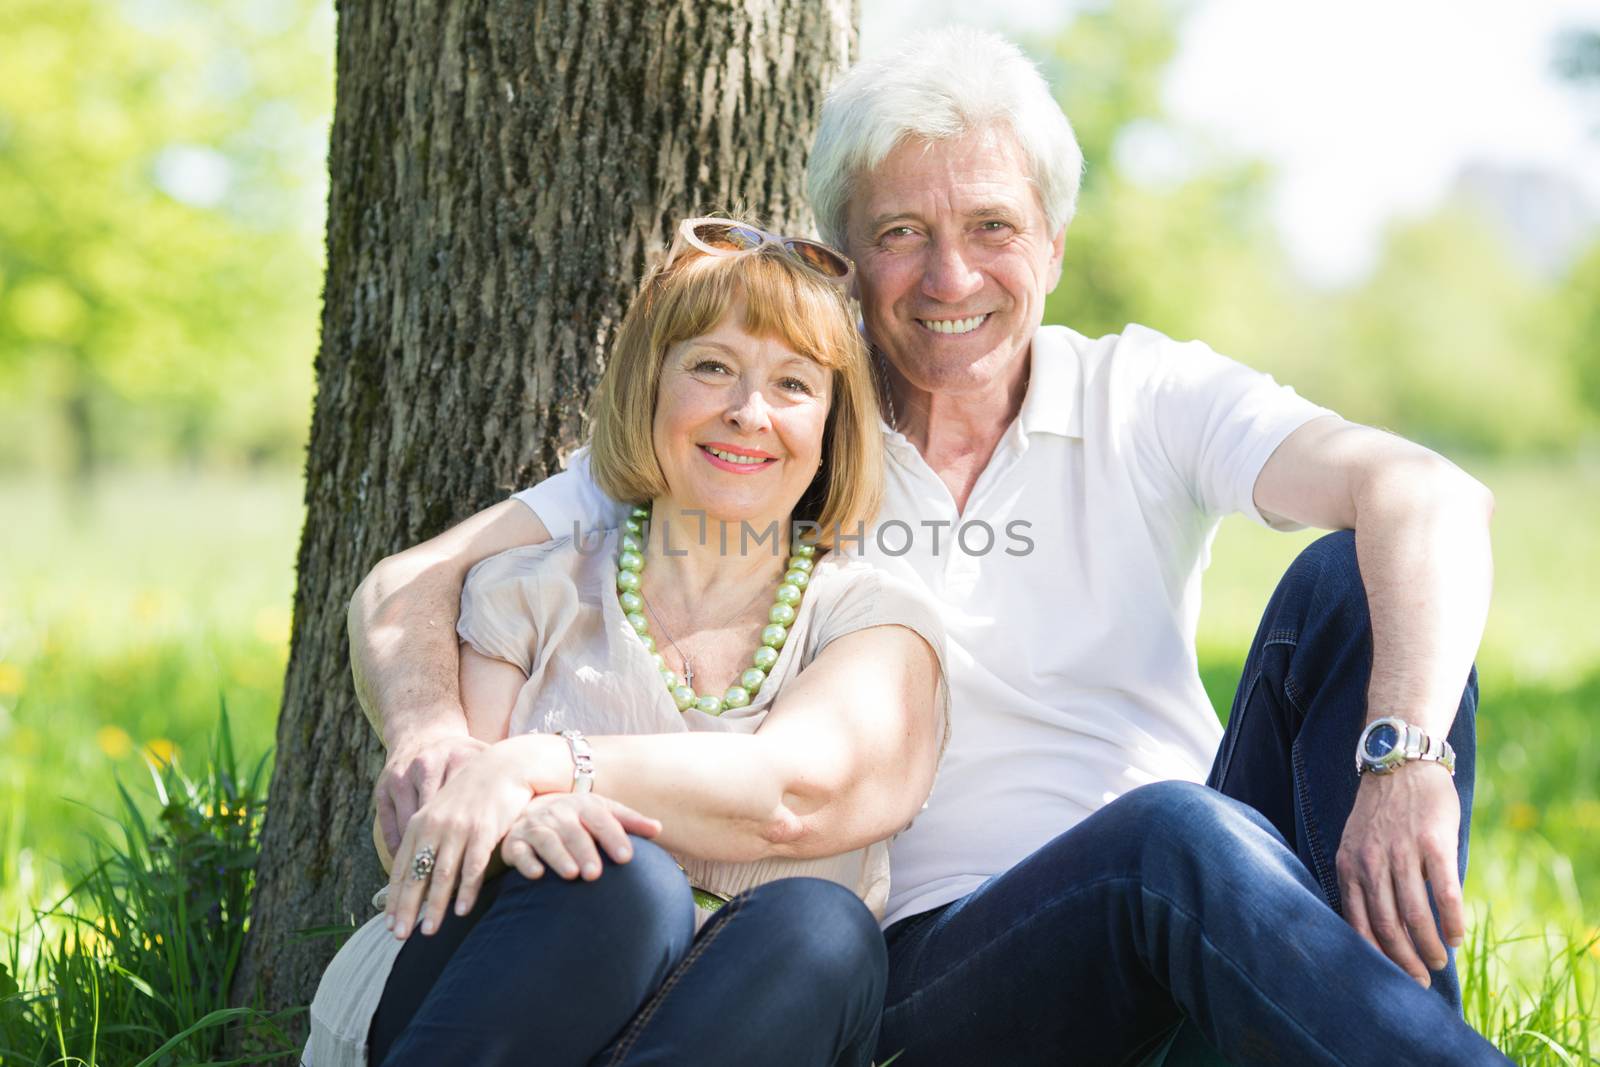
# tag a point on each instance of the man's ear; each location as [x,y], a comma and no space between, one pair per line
[1058,253]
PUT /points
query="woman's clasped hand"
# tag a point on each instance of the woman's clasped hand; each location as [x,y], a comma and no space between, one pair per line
[489,807]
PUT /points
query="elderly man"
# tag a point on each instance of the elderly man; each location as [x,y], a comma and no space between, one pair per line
[1071,892]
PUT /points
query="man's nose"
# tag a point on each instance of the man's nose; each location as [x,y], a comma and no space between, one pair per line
[950,276]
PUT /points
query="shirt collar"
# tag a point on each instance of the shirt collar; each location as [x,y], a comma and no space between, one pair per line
[1054,403]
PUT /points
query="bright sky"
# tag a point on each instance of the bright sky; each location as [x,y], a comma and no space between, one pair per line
[1366,108]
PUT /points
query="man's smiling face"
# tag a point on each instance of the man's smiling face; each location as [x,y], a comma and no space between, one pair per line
[954,259]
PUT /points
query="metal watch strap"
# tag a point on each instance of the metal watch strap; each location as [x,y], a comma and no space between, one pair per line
[1438,750]
[582,760]
[1420,745]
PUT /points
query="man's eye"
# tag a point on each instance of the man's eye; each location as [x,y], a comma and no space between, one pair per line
[897,233]
[995,226]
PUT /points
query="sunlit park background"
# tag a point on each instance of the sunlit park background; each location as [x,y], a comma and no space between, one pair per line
[1394,207]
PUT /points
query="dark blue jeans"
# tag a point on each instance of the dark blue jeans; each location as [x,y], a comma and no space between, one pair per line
[1214,903]
[611,972]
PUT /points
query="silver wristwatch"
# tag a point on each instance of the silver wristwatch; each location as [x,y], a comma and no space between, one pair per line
[582,760]
[1389,743]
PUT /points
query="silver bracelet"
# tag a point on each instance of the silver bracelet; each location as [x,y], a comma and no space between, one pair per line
[582,760]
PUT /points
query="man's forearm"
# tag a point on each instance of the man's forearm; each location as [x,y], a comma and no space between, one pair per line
[1422,542]
[402,622]
[403,649]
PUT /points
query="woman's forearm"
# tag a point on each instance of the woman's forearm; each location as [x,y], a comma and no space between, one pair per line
[845,757]
[718,795]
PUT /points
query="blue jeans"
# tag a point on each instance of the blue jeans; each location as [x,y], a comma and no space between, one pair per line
[1214,903]
[612,972]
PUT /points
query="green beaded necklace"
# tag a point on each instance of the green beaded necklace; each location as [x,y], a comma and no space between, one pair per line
[786,602]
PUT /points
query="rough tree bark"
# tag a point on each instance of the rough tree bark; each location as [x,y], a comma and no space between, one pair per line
[502,173]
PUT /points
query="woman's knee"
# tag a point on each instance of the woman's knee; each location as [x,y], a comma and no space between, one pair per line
[647,893]
[825,933]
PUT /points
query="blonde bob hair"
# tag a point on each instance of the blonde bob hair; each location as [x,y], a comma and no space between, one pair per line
[782,299]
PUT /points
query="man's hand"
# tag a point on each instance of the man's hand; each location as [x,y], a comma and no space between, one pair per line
[1401,834]
[460,829]
[418,765]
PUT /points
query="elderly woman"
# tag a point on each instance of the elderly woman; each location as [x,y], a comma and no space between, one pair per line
[705,726]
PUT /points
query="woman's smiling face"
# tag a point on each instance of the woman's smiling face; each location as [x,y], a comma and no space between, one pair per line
[739,422]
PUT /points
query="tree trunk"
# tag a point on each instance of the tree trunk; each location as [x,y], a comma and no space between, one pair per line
[503,171]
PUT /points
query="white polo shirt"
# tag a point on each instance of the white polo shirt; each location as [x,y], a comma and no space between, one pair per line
[1069,589]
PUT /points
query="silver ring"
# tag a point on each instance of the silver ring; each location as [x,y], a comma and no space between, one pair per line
[422,863]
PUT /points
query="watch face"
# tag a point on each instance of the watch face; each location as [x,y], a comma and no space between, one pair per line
[1381,741]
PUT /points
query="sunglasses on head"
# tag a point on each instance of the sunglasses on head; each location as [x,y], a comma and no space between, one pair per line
[729,237]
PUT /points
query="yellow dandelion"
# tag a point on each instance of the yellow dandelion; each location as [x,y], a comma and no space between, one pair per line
[113,741]
[1523,816]
[11,679]
[161,750]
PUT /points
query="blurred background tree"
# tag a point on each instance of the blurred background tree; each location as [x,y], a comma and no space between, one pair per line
[160,209]
[1454,338]
[162,187]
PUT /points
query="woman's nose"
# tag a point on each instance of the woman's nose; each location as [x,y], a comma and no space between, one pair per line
[749,410]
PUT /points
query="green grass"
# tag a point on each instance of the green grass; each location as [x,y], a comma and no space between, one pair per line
[126,614]
[134,964]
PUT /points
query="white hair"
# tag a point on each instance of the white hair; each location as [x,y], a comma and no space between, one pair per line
[942,84]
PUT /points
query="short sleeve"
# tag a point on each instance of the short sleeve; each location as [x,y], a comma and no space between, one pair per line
[570,504]
[500,605]
[1216,421]
[867,597]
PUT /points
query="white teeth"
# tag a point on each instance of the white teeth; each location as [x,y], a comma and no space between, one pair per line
[953,325]
[731,458]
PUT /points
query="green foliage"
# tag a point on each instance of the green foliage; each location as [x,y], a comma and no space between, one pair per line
[159,205]
[1576,308]
[1449,340]
[134,964]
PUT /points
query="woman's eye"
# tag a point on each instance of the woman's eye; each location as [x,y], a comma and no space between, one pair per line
[795,385]
[709,366]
